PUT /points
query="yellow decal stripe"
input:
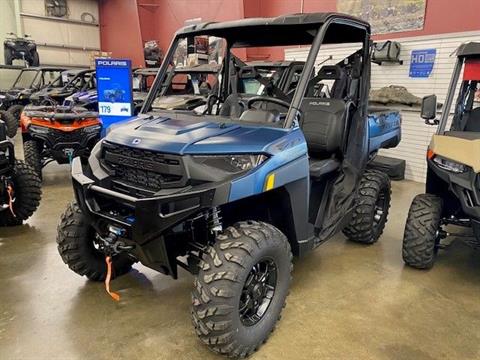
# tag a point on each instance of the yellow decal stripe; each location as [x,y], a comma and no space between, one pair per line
[270,182]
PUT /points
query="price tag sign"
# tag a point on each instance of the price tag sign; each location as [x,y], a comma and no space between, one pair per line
[114,86]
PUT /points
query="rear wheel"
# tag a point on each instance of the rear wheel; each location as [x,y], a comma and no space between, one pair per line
[75,239]
[241,288]
[31,151]
[421,236]
[371,209]
[10,121]
[27,193]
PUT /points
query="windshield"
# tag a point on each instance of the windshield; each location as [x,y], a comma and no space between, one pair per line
[228,77]
[50,77]
[25,79]
[255,85]
[81,82]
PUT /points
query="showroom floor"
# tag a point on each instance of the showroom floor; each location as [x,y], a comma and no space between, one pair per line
[347,301]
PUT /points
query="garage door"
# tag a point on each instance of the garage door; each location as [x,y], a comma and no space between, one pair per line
[415,134]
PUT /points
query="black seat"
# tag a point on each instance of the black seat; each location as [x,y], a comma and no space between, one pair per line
[323,124]
[330,72]
[232,106]
[473,120]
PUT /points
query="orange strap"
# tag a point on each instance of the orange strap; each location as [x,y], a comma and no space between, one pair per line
[11,200]
[114,295]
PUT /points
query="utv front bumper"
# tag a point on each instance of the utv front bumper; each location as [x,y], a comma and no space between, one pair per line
[144,222]
[465,186]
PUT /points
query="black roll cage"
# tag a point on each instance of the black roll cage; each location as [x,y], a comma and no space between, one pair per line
[294,110]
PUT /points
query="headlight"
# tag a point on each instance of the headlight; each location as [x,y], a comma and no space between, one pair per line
[231,163]
[38,129]
[2,96]
[92,129]
[449,165]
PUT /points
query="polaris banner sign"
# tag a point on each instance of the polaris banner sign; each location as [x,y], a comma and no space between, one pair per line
[114,86]
[422,61]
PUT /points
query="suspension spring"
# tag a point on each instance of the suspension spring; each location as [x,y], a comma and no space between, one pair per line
[215,220]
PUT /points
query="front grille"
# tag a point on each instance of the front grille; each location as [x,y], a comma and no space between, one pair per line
[143,169]
[58,136]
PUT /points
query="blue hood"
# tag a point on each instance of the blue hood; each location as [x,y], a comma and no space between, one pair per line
[176,136]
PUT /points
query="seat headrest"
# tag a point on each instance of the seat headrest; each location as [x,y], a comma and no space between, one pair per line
[248,72]
[330,72]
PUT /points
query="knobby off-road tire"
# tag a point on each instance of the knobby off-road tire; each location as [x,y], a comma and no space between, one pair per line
[27,188]
[421,231]
[75,240]
[8,56]
[16,111]
[371,208]
[31,152]
[35,60]
[10,121]
[230,281]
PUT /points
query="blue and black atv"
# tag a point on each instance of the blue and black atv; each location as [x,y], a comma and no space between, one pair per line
[232,192]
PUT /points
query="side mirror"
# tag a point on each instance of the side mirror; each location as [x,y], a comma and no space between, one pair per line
[429,109]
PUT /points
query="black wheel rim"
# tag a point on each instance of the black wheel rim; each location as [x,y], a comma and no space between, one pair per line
[258,292]
[380,211]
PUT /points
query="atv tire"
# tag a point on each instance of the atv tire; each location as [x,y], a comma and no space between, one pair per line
[229,282]
[35,59]
[10,121]
[420,238]
[16,111]
[8,56]
[27,192]
[371,209]
[31,153]
[75,244]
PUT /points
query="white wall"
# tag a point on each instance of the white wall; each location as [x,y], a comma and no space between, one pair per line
[7,22]
[415,134]
[48,31]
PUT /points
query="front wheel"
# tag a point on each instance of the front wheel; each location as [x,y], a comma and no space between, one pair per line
[10,121]
[241,288]
[371,208]
[16,111]
[32,155]
[8,56]
[421,235]
[35,60]
[27,193]
[76,245]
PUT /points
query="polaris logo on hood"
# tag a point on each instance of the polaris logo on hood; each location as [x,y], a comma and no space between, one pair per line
[112,62]
[136,141]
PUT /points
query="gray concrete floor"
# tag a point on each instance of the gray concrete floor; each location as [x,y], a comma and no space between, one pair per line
[347,301]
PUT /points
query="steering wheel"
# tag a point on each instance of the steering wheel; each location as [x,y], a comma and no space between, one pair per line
[272,100]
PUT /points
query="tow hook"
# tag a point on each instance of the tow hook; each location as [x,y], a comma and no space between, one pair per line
[110,246]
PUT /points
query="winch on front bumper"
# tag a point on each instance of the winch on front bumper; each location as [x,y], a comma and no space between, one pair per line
[143,224]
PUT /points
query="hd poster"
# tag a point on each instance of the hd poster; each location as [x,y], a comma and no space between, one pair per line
[387,16]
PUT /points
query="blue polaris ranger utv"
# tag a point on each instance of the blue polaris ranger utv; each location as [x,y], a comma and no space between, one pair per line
[232,192]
